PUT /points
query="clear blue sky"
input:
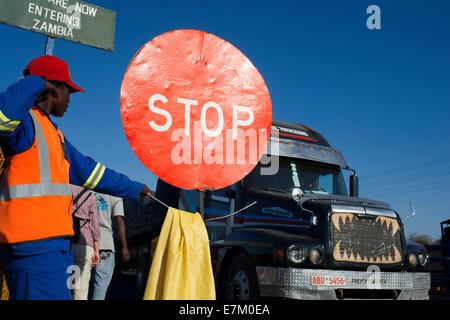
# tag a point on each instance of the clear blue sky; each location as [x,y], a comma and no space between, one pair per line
[380,96]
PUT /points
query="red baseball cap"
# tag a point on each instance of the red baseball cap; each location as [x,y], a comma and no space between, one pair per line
[52,68]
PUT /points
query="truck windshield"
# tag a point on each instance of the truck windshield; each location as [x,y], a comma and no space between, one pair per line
[311,177]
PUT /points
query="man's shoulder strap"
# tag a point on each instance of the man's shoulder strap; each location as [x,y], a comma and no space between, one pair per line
[81,194]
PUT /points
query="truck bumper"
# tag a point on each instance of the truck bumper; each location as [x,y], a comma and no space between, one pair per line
[316,284]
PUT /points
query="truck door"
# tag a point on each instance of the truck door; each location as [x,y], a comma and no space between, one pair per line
[217,203]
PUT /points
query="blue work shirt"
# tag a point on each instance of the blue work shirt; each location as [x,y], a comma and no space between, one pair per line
[17,135]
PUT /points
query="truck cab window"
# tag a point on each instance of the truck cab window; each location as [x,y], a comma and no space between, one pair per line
[321,179]
[312,177]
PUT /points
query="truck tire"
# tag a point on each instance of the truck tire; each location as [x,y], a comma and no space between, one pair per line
[241,282]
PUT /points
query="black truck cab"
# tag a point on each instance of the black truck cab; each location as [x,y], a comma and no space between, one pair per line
[298,233]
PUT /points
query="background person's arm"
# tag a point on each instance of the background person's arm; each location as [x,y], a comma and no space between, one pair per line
[123,237]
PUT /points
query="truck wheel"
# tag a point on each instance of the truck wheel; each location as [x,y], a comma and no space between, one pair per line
[241,282]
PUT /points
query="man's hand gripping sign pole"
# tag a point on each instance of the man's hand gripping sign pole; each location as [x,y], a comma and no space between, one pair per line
[198,114]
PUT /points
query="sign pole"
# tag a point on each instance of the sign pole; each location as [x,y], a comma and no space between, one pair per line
[49,46]
[202,203]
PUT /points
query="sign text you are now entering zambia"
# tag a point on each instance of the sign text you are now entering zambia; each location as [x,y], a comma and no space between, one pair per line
[71,20]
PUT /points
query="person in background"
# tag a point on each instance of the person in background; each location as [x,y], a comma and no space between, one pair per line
[85,249]
[109,208]
[36,226]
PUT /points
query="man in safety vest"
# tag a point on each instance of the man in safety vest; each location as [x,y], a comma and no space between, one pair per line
[35,194]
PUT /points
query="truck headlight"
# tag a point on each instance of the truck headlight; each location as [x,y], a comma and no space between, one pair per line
[315,256]
[413,260]
[423,258]
[296,253]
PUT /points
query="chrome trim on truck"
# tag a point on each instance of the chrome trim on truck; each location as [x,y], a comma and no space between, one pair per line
[363,210]
[297,283]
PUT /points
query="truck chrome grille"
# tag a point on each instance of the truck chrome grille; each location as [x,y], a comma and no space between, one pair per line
[367,239]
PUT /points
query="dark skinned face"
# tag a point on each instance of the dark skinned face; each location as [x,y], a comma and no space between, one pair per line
[59,106]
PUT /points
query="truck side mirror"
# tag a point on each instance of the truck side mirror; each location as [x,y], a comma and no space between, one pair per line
[297,194]
[354,186]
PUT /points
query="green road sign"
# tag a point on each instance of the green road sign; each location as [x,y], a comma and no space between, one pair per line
[71,20]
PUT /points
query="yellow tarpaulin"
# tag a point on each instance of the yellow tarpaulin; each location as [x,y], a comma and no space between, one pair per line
[181,265]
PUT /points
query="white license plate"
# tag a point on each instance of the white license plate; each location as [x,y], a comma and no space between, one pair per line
[332,281]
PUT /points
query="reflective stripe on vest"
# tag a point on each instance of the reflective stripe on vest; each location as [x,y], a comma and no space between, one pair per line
[46,187]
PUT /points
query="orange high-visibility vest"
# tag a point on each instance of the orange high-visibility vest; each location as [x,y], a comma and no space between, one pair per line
[35,194]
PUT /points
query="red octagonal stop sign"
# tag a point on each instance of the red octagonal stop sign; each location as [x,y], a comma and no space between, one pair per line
[195,110]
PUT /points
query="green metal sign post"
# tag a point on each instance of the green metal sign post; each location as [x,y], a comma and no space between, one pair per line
[71,20]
